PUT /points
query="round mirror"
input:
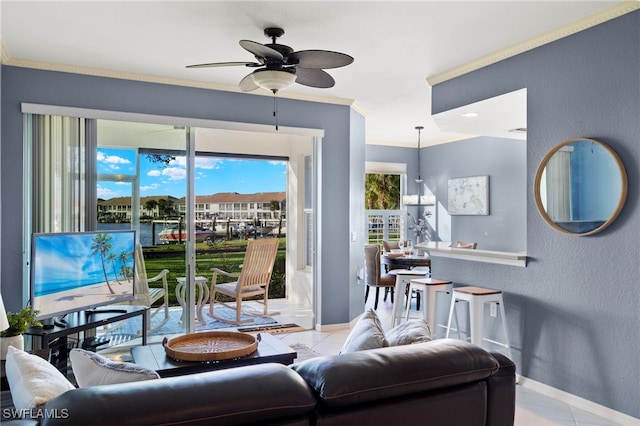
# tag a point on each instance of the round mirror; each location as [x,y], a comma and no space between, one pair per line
[580,187]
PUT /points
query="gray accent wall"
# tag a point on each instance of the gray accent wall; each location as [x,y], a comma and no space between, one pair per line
[573,312]
[504,162]
[343,142]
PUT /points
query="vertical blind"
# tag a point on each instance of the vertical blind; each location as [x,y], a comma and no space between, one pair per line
[60,155]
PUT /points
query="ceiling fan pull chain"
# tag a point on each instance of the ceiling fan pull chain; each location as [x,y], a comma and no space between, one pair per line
[275,107]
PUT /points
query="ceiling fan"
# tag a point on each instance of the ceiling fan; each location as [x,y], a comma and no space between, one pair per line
[279,66]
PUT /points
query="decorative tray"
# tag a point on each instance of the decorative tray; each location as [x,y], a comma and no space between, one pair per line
[210,346]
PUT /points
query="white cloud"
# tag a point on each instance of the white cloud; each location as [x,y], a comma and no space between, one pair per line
[111,159]
[149,187]
[200,162]
[174,173]
[208,163]
[154,173]
[105,193]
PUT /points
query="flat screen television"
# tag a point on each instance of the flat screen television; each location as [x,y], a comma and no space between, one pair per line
[79,271]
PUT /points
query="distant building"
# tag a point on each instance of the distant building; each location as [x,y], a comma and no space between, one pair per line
[224,205]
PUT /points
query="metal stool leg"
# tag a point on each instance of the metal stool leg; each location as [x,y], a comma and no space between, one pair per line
[476,314]
[452,310]
[504,327]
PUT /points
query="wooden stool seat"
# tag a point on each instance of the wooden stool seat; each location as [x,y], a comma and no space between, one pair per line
[477,291]
[430,281]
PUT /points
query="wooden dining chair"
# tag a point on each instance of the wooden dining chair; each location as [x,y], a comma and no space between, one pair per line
[469,245]
[252,281]
[391,245]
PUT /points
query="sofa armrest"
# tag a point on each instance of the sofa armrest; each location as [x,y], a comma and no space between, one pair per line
[243,395]
[501,393]
[376,374]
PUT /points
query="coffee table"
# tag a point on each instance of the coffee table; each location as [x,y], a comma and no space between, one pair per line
[270,349]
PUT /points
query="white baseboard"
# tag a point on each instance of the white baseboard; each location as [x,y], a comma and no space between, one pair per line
[332,327]
[576,401]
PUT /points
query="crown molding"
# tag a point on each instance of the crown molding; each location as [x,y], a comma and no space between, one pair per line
[566,30]
[149,78]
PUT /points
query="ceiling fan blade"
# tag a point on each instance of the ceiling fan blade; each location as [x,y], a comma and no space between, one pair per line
[322,59]
[226,64]
[314,78]
[260,50]
[247,84]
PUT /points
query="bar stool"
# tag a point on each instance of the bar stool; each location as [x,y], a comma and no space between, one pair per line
[403,278]
[477,297]
[430,287]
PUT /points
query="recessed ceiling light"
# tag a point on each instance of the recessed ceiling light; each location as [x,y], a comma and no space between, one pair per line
[470,114]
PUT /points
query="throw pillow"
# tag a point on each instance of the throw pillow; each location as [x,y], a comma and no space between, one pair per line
[366,334]
[92,369]
[406,333]
[32,380]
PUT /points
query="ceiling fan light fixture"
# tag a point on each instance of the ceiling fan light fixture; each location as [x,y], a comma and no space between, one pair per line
[273,80]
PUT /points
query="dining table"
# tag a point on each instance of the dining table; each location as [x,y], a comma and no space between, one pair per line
[406,261]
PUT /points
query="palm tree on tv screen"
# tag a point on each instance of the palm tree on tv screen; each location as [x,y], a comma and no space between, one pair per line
[124,269]
[111,257]
[102,244]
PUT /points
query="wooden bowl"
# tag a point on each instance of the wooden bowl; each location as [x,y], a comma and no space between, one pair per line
[210,346]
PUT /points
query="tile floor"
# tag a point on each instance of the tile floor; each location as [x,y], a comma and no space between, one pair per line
[532,408]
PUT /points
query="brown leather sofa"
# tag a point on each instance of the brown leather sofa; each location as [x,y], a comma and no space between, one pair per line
[443,382]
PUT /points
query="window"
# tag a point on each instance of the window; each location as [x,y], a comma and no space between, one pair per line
[383,189]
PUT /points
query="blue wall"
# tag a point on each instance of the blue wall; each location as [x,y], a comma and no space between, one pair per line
[573,311]
[344,139]
[503,160]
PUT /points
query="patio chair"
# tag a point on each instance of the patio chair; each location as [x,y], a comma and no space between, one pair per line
[146,295]
[252,281]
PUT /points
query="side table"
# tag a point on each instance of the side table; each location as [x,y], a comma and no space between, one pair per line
[201,297]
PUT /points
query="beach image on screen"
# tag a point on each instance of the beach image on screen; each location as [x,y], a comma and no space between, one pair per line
[81,270]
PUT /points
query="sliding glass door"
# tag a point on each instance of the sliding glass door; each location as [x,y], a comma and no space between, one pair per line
[143,185]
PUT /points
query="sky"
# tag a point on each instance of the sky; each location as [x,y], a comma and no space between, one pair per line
[213,175]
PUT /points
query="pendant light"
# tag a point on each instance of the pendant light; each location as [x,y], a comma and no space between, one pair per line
[419,199]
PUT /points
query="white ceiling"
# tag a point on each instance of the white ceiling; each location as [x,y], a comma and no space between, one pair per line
[398,46]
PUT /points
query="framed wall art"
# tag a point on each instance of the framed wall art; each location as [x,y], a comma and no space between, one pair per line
[468,195]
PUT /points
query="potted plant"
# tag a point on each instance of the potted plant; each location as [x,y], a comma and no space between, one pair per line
[19,322]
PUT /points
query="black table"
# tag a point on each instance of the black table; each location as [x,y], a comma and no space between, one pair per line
[77,322]
[270,349]
[408,261]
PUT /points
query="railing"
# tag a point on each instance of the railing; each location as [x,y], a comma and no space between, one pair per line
[385,225]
